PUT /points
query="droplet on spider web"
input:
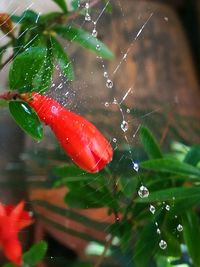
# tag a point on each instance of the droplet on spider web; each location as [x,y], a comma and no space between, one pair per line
[143,191]
[163,244]
[94,32]
[180,228]
[109,83]
[98,47]
[124,126]
[158,231]
[106,104]
[87,17]
[114,140]
[105,74]
[152,209]
[136,166]
[167,207]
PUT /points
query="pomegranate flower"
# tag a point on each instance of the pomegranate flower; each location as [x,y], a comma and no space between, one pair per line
[12,220]
[80,139]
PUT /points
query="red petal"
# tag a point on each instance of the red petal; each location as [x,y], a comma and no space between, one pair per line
[13,251]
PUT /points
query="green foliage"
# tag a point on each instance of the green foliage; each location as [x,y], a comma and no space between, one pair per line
[26,118]
[62,5]
[32,257]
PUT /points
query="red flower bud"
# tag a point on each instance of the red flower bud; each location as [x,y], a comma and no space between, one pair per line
[80,139]
[6,24]
[12,220]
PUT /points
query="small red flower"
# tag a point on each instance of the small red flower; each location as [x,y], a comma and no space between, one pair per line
[80,139]
[12,220]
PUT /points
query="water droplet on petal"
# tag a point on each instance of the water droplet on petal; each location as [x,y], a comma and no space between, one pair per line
[180,228]
[143,192]
[163,244]
[109,83]
[124,126]
[152,209]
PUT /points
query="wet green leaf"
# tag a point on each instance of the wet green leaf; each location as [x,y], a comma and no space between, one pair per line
[26,118]
[25,68]
[85,39]
[62,59]
[150,145]
[29,16]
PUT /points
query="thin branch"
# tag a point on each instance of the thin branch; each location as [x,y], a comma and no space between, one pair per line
[9,95]
[6,62]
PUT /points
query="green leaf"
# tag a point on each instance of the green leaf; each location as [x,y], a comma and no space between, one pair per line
[75,4]
[191,233]
[108,6]
[169,165]
[193,155]
[43,78]
[150,145]
[85,39]
[26,118]
[35,254]
[48,17]
[62,5]
[25,68]
[29,16]
[172,194]
[62,59]
[9,264]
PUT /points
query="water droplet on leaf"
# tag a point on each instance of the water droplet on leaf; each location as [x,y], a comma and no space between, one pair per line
[152,209]
[136,166]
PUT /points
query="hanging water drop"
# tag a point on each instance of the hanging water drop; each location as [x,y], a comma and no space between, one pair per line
[128,110]
[105,74]
[152,209]
[143,192]
[114,140]
[167,207]
[106,104]
[109,83]
[158,231]
[124,126]
[94,32]
[87,5]
[163,244]
[87,17]
[180,228]
[98,47]
[136,166]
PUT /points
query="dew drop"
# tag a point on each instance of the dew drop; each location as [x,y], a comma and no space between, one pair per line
[167,207]
[87,5]
[158,231]
[98,47]
[109,83]
[106,104]
[180,228]
[105,74]
[87,17]
[94,33]
[124,126]
[143,192]
[115,101]
[114,140]
[152,209]
[163,244]
[128,110]
[136,166]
